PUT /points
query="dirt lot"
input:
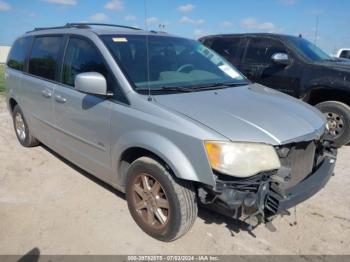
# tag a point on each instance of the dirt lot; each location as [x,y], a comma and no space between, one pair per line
[46,203]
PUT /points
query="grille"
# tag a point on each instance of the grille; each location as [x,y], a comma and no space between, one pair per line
[300,160]
[272,202]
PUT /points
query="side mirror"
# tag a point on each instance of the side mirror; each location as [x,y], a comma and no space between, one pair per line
[281,59]
[91,83]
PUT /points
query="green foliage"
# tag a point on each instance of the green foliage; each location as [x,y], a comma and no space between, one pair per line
[2,80]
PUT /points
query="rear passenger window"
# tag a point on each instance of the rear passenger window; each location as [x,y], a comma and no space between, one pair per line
[18,53]
[81,57]
[260,50]
[227,47]
[43,59]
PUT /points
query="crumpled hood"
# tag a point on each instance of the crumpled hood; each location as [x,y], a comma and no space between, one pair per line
[250,113]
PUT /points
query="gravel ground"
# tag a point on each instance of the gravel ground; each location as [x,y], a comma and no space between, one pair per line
[49,204]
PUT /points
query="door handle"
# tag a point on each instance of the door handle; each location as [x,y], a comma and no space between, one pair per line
[46,93]
[60,99]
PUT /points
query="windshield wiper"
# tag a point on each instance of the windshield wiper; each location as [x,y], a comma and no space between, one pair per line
[218,85]
[167,89]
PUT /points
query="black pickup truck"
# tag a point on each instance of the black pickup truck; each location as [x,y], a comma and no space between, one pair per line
[294,66]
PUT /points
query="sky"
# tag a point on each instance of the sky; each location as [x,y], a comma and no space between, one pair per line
[191,18]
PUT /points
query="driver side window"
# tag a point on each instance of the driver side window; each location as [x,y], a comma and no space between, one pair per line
[81,57]
[260,50]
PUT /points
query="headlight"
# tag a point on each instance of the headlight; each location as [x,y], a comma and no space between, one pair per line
[241,159]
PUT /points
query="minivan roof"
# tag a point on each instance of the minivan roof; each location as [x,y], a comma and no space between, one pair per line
[99,29]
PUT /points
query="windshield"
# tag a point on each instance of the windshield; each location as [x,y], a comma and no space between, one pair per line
[173,63]
[308,49]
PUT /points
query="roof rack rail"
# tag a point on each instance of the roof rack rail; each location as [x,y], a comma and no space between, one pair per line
[100,24]
[83,26]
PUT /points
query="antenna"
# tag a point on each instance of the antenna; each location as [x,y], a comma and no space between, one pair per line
[316,29]
[147,53]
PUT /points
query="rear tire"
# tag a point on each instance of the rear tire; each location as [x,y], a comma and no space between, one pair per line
[162,206]
[338,121]
[22,131]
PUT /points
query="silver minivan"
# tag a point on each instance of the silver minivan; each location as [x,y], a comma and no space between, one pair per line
[167,121]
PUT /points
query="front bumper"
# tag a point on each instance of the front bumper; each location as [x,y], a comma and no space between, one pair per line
[266,195]
[278,201]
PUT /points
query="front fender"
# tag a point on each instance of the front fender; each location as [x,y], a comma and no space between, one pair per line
[185,165]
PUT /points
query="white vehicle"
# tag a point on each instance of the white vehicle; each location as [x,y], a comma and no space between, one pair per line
[343,53]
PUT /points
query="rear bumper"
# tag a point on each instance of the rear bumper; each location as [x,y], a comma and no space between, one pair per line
[278,202]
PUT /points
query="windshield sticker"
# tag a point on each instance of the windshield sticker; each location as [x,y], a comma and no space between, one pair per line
[120,40]
[229,71]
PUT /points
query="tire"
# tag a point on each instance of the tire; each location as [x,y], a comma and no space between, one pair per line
[338,121]
[172,220]
[22,131]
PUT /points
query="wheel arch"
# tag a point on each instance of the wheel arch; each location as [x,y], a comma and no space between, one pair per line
[160,148]
[323,94]
[133,153]
[12,103]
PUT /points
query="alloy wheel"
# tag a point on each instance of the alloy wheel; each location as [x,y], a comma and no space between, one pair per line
[20,127]
[150,201]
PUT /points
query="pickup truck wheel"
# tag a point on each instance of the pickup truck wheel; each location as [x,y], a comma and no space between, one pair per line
[163,206]
[23,133]
[338,121]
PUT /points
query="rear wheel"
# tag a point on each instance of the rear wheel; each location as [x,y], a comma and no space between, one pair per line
[338,121]
[23,133]
[162,206]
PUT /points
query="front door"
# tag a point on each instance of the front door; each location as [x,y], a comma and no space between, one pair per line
[82,119]
[258,66]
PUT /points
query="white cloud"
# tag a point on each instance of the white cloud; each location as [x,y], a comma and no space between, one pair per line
[200,32]
[99,17]
[186,8]
[152,20]
[187,20]
[226,24]
[4,6]
[130,18]
[115,5]
[62,2]
[254,25]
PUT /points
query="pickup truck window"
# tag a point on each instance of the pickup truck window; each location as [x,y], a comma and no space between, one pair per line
[260,50]
[227,47]
[308,49]
[345,54]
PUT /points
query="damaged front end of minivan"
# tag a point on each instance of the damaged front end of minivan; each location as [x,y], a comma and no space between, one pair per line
[305,167]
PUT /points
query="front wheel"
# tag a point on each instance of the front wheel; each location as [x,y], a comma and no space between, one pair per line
[338,122]
[163,206]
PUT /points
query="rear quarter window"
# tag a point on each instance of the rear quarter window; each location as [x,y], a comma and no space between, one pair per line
[17,56]
[44,56]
